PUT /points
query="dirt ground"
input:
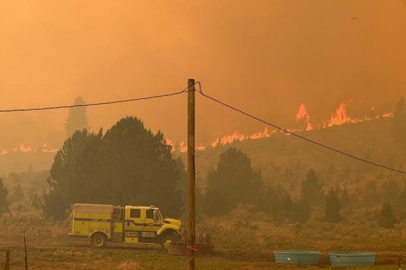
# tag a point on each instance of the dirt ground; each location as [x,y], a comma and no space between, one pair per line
[50,248]
[73,253]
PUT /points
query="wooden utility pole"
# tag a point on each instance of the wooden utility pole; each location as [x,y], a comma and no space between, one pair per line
[191,247]
[6,265]
[25,251]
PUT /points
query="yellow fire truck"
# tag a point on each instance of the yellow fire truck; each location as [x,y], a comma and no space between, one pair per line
[129,224]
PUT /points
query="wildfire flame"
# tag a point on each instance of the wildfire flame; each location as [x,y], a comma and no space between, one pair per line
[46,150]
[183,147]
[200,147]
[169,142]
[302,115]
[340,116]
[236,136]
[260,135]
[23,148]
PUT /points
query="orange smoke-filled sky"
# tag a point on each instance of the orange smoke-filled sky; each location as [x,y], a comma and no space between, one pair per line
[265,56]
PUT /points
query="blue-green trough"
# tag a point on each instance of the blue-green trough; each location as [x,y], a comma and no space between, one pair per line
[352,258]
[302,257]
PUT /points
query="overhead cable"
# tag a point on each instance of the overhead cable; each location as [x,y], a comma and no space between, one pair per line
[92,104]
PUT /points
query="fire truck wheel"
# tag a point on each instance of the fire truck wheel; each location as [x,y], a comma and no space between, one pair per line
[166,241]
[98,240]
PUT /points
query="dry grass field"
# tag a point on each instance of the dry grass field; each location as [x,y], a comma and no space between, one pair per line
[240,244]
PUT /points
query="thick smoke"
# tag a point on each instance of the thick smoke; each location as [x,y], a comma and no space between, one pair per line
[265,57]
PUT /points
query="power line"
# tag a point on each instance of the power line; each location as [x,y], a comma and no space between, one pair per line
[297,135]
[213,99]
[93,104]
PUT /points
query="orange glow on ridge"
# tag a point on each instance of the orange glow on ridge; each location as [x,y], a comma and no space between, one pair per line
[304,116]
[25,149]
[339,117]
[45,150]
[386,115]
[264,134]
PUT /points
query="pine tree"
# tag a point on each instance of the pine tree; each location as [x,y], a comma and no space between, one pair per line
[345,199]
[182,186]
[401,201]
[312,190]
[399,122]
[233,182]
[301,211]
[18,194]
[390,191]
[387,218]
[30,169]
[128,165]
[276,203]
[333,207]
[77,119]
[3,197]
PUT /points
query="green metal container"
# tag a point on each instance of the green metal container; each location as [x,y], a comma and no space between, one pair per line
[352,258]
[302,257]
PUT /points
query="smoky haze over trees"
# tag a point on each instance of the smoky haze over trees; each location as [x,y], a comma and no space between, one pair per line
[399,122]
[94,167]
[3,197]
[387,218]
[77,119]
[128,165]
[333,207]
[233,182]
[312,190]
[265,56]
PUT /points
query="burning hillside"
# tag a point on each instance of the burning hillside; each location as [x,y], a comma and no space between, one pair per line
[303,123]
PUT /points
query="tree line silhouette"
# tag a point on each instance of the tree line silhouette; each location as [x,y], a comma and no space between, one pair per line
[129,164]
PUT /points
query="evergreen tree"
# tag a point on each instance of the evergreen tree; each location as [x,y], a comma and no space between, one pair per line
[391,191]
[371,186]
[77,119]
[387,218]
[35,199]
[3,197]
[401,201]
[234,181]
[400,205]
[30,169]
[276,203]
[370,194]
[301,211]
[129,165]
[182,182]
[182,185]
[75,175]
[333,207]
[345,199]
[312,190]
[399,122]
[215,204]
[18,193]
